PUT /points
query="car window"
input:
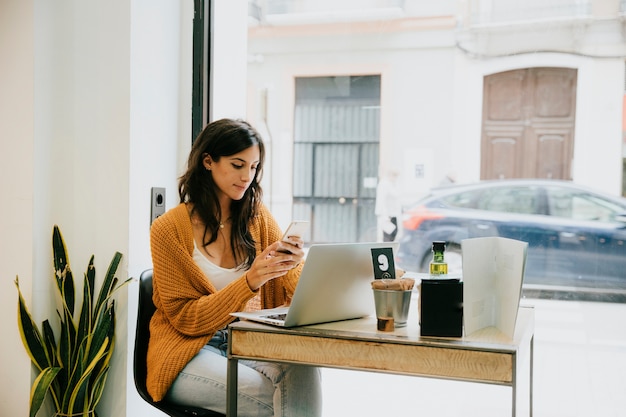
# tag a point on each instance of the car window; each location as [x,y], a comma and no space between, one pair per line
[521,200]
[504,199]
[575,205]
[464,199]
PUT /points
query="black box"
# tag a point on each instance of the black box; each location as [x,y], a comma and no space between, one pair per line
[441,307]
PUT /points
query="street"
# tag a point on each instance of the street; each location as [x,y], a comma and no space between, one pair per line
[579,371]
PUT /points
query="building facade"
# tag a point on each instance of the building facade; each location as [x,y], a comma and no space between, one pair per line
[469,90]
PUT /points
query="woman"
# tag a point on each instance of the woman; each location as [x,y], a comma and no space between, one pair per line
[217,252]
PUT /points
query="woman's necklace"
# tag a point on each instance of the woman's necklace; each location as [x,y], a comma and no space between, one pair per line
[223,223]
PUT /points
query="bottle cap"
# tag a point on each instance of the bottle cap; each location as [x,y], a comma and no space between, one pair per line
[439,246]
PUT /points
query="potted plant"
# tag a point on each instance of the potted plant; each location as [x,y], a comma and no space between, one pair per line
[72,367]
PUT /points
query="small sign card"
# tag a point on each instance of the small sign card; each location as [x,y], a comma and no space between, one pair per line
[382,260]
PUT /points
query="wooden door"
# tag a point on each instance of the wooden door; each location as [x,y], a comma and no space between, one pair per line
[528,124]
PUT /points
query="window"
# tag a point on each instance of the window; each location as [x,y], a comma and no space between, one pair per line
[344,90]
[521,200]
[578,206]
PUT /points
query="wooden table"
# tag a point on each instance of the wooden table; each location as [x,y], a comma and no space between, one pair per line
[486,356]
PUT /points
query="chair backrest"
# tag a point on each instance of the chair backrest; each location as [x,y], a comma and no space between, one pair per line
[142,334]
[146,309]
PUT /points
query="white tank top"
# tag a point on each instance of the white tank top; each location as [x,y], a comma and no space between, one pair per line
[219,277]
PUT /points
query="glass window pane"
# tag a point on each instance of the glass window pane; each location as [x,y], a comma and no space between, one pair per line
[452,93]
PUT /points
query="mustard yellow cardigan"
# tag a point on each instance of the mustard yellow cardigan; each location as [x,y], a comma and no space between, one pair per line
[189,309]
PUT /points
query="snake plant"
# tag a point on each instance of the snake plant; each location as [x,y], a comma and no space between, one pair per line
[72,367]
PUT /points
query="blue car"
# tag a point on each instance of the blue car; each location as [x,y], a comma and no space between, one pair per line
[576,236]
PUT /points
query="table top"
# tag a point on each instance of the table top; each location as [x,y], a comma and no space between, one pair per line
[487,355]
[365,329]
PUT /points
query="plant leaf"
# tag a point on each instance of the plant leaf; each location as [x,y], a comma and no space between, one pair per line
[104,327]
[62,270]
[51,348]
[67,340]
[85,324]
[78,393]
[40,388]
[109,282]
[110,316]
[48,337]
[75,365]
[98,383]
[29,332]
[75,375]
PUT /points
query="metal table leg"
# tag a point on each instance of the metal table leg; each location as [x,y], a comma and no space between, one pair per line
[231,387]
[532,354]
[514,386]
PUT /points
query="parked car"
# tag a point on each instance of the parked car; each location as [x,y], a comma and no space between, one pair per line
[576,236]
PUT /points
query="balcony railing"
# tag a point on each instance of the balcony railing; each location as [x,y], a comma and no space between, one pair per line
[491,12]
[323,11]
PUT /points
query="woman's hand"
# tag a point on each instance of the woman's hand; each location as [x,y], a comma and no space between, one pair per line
[275,261]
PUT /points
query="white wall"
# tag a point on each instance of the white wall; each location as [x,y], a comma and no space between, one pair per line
[16,189]
[417,93]
[95,109]
[598,143]
[160,131]
[82,135]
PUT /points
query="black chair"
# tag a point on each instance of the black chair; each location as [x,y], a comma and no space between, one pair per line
[142,335]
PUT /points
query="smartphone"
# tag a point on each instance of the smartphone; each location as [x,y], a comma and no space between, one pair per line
[296,228]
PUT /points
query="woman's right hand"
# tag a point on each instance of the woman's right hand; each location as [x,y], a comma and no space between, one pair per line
[270,264]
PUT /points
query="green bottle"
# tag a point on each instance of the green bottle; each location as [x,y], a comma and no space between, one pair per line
[438,265]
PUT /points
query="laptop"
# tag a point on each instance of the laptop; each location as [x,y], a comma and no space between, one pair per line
[334,285]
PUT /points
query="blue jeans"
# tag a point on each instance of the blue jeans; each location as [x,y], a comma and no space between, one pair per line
[265,388]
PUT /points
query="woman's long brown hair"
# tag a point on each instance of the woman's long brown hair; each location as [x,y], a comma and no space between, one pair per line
[223,137]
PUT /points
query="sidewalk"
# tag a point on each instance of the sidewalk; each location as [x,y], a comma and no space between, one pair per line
[579,371]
